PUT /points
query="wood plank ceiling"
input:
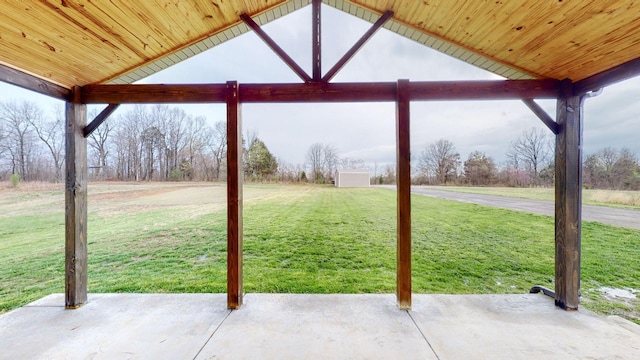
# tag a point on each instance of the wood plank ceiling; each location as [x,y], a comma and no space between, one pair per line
[79,42]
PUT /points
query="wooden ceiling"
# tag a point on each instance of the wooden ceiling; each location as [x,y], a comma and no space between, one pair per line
[544,38]
[80,42]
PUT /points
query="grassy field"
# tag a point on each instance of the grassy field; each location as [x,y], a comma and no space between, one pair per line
[614,198]
[299,239]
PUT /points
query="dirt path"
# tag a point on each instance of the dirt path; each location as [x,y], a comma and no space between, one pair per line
[612,216]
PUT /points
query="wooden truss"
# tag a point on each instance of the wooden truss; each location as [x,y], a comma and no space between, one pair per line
[567,128]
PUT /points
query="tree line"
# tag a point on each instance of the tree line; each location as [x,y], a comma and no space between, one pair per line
[162,143]
[155,143]
[530,162]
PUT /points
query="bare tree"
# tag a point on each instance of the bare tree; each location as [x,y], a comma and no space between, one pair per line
[217,144]
[3,140]
[609,168]
[172,123]
[98,141]
[330,160]
[389,175]
[441,159]
[323,160]
[50,132]
[153,147]
[314,159]
[195,145]
[18,118]
[127,142]
[288,172]
[143,143]
[349,163]
[532,149]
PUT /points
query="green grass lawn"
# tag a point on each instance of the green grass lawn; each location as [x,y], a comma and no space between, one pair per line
[308,239]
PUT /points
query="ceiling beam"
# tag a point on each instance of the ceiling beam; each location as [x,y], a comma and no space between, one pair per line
[30,82]
[357,46]
[316,32]
[275,47]
[154,93]
[608,77]
[318,92]
[485,90]
[321,92]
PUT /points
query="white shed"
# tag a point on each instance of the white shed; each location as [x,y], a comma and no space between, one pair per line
[352,178]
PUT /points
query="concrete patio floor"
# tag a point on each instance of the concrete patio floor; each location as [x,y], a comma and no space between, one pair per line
[285,326]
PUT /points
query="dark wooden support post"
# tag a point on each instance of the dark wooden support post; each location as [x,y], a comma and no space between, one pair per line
[317,40]
[403,180]
[75,203]
[234,197]
[568,164]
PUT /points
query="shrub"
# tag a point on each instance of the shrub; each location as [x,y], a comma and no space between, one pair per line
[14,179]
[175,175]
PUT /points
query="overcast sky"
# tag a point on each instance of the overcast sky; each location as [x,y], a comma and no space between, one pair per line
[366,131]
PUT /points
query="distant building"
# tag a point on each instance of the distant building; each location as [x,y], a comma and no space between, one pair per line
[352,178]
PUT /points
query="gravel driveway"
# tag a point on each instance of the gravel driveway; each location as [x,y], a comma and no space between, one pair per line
[612,216]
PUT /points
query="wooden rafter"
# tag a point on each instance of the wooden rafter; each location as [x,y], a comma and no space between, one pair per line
[357,46]
[275,47]
[30,82]
[316,19]
[321,92]
[542,115]
[102,117]
[608,77]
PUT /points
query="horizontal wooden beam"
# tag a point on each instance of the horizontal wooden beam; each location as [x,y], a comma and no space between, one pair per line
[154,93]
[484,90]
[608,77]
[30,82]
[318,92]
[321,92]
